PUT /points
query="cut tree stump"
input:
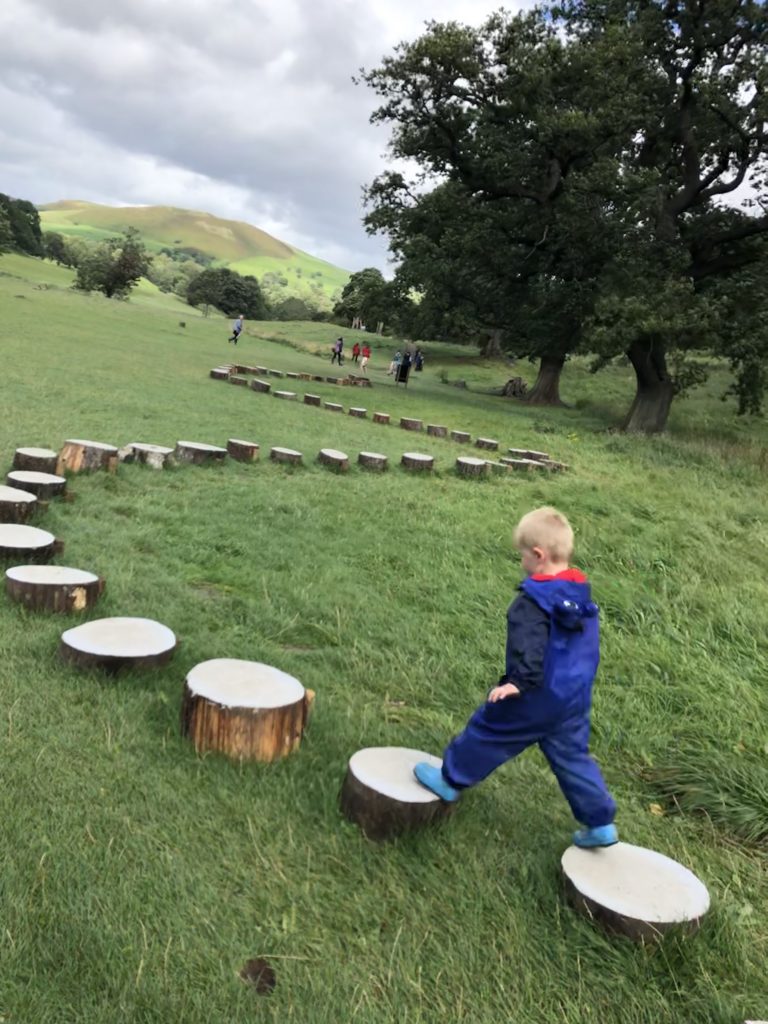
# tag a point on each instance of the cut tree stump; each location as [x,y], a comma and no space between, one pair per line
[199,453]
[289,396]
[293,376]
[262,370]
[357,411]
[382,796]
[332,380]
[488,443]
[468,466]
[333,407]
[497,467]
[26,543]
[527,453]
[334,459]
[53,588]
[312,399]
[244,709]
[460,436]
[318,377]
[276,373]
[523,465]
[219,373]
[257,384]
[43,485]
[16,506]
[555,467]
[39,460]
[285,455]
[381,417]
[408,424]
[305,376]
[418,462]
[118,643]
[633,891]
[372,460]
[242,451]
[236,379]
[435,430]
[77,456]
[155,455]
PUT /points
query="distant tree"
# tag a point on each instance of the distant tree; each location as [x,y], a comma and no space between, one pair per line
[228,292]
[6,235]
[24,222]
[368,295]
[55,247]
[294,308]
[114,266]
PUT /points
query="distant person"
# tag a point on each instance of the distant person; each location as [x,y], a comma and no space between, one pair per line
[395,364]
[356,352]
[237,328]
[338,352]
[366,358]
[418,361]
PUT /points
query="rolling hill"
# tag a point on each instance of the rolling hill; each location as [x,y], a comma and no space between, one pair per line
[231,243]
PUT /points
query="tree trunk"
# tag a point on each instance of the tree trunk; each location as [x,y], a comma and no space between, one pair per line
[546,390]
[653,399]
[492,347]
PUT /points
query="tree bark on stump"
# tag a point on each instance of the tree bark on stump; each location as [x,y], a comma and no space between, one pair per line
[312,399]
[219,373]
[333,407]
[527,453]
[360,413]
[634,892]
[546,390]
[460,436]
[305,376]
[38,460]
[199,453]
[372,460]
[293,376]
[43,485]
[488,443]
[77,456]
[555,467]
[117,643]
[16,506]
[285,455]
[236,379]
[244,709]
[332,380]
[289,396]
[523,465]
[334,459]
[53,588]
[157,456]
[417,462]
[381,795]
[318,377]
[497,467]
[649,411]
[407,423]
[381,417]
[260,385]
[262,370]
[468,466]
[435,430]
[26,544]
[276,373]
[242,451]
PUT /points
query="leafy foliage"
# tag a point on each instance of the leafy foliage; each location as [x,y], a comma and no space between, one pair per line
[229,292]
[114,267]
[24,223]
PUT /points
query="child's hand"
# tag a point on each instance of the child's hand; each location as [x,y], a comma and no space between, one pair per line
[502,692]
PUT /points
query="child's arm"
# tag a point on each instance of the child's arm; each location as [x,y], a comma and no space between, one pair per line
[527,639]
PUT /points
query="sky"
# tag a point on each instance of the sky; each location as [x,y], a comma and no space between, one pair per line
[243,108]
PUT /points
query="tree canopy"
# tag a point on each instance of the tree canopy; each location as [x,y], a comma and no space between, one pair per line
[114,266]
[228,292]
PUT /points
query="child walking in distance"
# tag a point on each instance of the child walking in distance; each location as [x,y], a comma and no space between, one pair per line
[237,328]
[544,697]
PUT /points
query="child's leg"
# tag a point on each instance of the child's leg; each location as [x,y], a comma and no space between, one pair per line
[493,736]
[583,786]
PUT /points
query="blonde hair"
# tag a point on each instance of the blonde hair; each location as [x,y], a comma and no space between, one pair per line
[548,529]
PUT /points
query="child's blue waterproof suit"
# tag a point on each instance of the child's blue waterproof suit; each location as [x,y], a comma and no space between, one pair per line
[553,708]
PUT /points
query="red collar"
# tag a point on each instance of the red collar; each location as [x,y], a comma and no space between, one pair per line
[569,575]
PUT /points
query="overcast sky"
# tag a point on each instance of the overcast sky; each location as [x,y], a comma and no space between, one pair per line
[243,108]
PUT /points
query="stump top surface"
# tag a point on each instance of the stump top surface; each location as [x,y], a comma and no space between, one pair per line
[200,446]
[235,683]
[15,495]
[334,453]
[418,456]
[285,394]
[470,460]
[389,770]
[637,883]
[373,455]
[37,453]
[14,536]
[357,408]
[248,444]
[50,575]
[486,440]
[121,637]
[32,476]
[286,451]
[92,444]
[141,446]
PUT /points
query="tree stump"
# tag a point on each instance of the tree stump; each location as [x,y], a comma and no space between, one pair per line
[293,376]
[497,467]
[244,709]
[357,411]
[155,455]
[38,460]
[220,373]
[305,376]
[334,459]
[468,466]
[460,436]
[333,407]
[381,417]
[408,424]
[118,643]
[318,377]
[312,399]
[488,443]
[26,543]
[43,485]
[555,467]
[435,430]
[522,465]
[372,460]
[257,384]
[16,506]
[236,379]
[276,373]
[53,588]
[633,891]
[332,380]
[285,455]
[198,453]
[262,370]
[77,456]
[382,796]
[527,453]
[289,396]
[242,451]
[418,462]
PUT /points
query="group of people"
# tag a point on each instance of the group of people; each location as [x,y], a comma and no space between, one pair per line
[406,360]
[358,351]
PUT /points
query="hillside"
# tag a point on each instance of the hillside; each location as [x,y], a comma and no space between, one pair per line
[243,247]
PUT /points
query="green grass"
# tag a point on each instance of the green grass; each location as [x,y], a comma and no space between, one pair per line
[137,878]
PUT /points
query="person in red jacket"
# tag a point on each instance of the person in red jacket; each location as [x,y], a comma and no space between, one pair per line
[355,352]
[366,358]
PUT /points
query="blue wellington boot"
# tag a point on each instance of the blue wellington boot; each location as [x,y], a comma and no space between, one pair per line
[432,778]
[600,835]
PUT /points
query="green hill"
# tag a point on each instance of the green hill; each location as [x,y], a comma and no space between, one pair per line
[232,243]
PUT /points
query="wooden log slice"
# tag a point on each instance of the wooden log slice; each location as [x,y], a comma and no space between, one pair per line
[257,384]
[357,411]
[305,376]
[293,376]
[555,467]
[435,430]
[333,407]
[199,453]
[488,443]
[382,796]
[468,466]
[497,467]
[408,424]
[242,451]
[334,458]
[117,643]
[43,485]
[633,891]
[39,460]
[155,455]
[527,453]
[461,436]
[372,460]
[312,399]
[523,465]
[77,456]
[237,379]
[289,396]
[53,588]
[244,709]
[418,462]
[16,506]
[381,417]
[220,373]
[26,543]
[285,455]
[318,377]
[262,370]
[276,373]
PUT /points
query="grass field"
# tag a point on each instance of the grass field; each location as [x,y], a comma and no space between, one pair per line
[137,878]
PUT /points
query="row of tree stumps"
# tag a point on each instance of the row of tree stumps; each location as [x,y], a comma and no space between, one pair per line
[252,712]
